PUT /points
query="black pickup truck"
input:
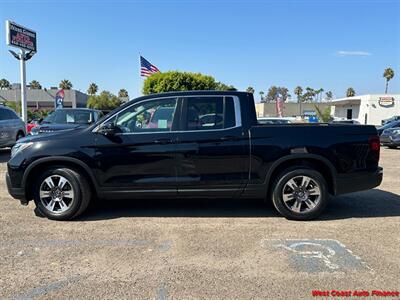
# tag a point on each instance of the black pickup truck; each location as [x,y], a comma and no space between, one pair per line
[193,145]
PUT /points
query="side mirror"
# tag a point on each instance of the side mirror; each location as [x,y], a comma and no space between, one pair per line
[109,129]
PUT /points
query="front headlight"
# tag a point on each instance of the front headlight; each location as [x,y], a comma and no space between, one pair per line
[18,147]
[34,131]
[396,131]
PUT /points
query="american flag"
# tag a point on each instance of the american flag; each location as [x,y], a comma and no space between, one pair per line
[146,68]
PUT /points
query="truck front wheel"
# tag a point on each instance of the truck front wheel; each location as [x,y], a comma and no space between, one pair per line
[300,193]
[61,193]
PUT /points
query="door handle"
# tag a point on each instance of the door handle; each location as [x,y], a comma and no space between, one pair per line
[162,141]
[228,138]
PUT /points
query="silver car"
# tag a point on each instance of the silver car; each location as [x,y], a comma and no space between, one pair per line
[12,128]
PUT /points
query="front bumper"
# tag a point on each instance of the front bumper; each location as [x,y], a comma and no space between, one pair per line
[15,192]
[358,182]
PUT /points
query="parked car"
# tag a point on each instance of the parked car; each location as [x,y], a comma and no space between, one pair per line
[394,124]
[67,118]
[272,120]
[32,124]
[297,166]
[394,118]
[354,122]
[391,137]
[12,128]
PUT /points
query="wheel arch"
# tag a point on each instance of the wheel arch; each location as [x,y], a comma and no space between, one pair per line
[313,161]
[58,161]
[20,131]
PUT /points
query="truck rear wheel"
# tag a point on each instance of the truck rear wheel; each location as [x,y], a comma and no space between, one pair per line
[300,193]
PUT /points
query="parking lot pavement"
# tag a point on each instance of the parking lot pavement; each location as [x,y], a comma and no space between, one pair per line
[199,249]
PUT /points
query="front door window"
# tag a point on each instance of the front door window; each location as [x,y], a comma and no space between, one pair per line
[149,116]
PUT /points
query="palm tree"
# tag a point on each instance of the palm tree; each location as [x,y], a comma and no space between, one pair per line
[388,74]
[298,91]
[123,93]
[92,89]
[329,95]
[318,93]
[35,85]
[350,92]
[65,84]
[310,94]
[261,95]
[4,84]
[250,90]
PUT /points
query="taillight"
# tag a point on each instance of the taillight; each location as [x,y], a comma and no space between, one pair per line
[375,147]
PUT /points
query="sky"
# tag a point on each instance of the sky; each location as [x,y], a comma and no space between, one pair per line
[330,44]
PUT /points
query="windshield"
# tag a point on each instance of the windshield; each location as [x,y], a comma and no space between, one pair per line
[69,117]
[273,121]
[390,125]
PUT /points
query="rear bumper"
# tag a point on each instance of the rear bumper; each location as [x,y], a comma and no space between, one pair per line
[15,192]
[360,182]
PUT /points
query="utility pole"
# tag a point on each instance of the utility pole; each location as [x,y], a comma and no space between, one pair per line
[23,57]
[23,86]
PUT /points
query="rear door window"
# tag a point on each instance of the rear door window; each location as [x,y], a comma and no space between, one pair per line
[5,114]
[209,113]
[13,115]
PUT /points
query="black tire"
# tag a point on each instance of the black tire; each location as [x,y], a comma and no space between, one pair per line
[280,183]
[76,182]
[392,147]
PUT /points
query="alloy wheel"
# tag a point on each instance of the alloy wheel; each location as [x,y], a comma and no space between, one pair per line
[56,194]
[301,194]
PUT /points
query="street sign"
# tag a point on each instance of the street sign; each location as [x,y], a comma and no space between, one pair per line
[20,37]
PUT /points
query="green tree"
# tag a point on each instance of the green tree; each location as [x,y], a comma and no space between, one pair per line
[4,84]
[104,101]
[272,94]
[283,92]
[350,92]
[123,93]
[298,91]
[309,95]
[35,85]
[37,114]
[324,116]
[181,81]
[250,90]
[329,95]
[224,87]
[65,84]
[318,94]
[388,74]
[92,89]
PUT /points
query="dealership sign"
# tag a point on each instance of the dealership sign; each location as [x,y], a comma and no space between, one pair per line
[386,101]
[20,37]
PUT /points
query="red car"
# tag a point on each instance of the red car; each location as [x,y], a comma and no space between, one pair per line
[31,124]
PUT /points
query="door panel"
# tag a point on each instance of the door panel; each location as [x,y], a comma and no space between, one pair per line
[141,159]
[137,163]
[211,160]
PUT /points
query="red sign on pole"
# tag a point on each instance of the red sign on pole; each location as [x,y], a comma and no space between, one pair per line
[279,107]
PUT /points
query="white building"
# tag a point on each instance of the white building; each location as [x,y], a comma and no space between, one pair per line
[367,109]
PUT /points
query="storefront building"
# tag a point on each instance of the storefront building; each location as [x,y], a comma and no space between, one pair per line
[367,109]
